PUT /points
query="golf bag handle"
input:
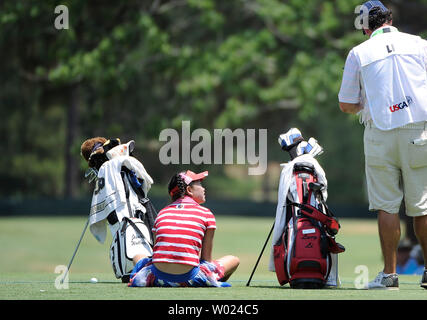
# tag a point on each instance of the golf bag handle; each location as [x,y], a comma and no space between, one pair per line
[330,222]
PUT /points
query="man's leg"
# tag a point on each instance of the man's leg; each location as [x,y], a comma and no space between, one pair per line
[389,231]
[383,177]
[420,228]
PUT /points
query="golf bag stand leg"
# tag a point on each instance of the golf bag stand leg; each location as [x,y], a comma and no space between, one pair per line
[262,251]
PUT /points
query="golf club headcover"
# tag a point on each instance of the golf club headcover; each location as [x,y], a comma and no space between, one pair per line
[110,144]
[290,139]
[125,149]
[98,155]
[313,147]
[298,150]
[294,143]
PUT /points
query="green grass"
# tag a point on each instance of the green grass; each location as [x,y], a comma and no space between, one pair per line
[31,248]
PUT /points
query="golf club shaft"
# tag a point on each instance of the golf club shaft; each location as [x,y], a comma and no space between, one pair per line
[260,255]
[75,251]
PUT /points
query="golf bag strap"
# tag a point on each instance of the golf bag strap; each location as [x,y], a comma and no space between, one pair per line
[322,200]
[122,173]
[133,180]
[335,247]
[330,222]
[150,214]
[137,229]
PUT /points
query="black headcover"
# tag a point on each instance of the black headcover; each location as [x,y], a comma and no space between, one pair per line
[99,153]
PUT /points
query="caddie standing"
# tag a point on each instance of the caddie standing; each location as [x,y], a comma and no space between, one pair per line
[385,82]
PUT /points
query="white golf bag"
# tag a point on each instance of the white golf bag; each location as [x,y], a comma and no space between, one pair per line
[120,199]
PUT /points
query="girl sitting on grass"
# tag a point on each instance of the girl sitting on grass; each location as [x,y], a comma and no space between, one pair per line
[184,232]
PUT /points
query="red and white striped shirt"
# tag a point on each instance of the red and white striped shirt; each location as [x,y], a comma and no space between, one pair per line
[180,228]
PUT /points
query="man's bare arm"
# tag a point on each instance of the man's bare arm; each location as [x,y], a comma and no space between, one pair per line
[350,107]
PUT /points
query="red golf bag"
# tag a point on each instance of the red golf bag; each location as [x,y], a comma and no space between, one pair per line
[302,255]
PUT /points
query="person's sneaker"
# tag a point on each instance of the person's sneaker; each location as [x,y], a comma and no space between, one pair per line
[384,281]
[424,279]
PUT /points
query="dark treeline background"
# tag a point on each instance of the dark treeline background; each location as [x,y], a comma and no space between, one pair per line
[131,68]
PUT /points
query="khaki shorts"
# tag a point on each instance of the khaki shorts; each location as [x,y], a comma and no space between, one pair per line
[396,168]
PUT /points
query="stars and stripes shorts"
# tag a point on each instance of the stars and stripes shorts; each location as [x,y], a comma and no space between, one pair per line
[207,274]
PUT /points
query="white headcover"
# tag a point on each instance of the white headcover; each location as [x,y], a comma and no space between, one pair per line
[121,150]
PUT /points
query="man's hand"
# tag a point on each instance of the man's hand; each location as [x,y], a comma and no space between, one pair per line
[350,107]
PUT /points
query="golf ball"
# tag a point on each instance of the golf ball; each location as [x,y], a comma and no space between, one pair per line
[93,280]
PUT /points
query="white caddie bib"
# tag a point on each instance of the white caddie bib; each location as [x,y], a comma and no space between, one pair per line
[394,76]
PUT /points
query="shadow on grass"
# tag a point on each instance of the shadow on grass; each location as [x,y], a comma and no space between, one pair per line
[289,288]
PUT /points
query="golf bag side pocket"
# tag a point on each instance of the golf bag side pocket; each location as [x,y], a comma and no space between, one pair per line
[280,253]
[131,239]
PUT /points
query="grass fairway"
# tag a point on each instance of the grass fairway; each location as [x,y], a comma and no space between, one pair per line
[33,247]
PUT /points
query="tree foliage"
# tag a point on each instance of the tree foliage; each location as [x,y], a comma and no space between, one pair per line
[131,68]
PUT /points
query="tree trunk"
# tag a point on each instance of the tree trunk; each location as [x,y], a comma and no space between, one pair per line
[71,163]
